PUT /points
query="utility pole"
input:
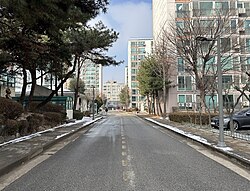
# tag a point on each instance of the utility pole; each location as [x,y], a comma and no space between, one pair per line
[93,103]
[221,142]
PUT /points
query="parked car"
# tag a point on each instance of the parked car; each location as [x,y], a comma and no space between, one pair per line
[241,120]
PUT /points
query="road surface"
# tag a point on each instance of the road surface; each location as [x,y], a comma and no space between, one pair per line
[123,152]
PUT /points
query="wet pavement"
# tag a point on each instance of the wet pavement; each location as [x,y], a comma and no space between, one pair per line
[14,153]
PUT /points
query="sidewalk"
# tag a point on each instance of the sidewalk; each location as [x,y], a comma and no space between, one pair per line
[18,151]
[236,150]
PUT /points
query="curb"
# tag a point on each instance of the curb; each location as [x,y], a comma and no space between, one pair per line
[235,158]
[39,150]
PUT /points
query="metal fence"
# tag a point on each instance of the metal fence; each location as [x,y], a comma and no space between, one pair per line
[244,135]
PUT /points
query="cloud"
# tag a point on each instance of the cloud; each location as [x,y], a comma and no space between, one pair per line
[131,20]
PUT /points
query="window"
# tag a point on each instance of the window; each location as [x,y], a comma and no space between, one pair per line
[134,64]
[233,26]
[134,98]
[184,83]
[248,45]
[141,51]
[227,81]
[185,101]
[246,64]
[239,4]
[181,98]
[180,65]
[134,85]
[206,8]
[181,83]
[133,50]
[180,24]
[210,63]
[133,78]
[222,7]
[133,71]
[134,92]
[228,101]
[182,9]
[226,63]
[134,57]
[211,101]
[225,44]
[133,105]
[247,26]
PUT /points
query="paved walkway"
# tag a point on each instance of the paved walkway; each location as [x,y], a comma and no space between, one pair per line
[15,153]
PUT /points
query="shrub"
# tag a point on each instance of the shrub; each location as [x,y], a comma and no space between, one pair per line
[23,126]
[35,120]
[49,107]
[11,127]
[78,115]
[53,118]
[190,117]
[10,109]
[86,113]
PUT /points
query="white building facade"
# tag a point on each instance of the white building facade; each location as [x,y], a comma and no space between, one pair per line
[92,76]
[185,94]
[111,91]
[138,49]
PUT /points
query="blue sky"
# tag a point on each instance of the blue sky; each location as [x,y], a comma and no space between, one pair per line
[132,19]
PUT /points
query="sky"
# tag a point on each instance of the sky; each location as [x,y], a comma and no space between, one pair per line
[131,19]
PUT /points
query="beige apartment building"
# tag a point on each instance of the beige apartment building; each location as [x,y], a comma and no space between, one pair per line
[111,91]
[184,94]
[138,49]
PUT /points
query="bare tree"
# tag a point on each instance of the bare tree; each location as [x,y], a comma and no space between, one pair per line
[165,67]
[194,38]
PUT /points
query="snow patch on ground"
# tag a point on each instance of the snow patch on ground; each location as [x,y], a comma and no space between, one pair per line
[195,137]
[85,120]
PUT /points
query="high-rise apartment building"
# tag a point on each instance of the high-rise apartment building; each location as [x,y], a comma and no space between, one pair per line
[137,50]
[111,91]
[185,93]
[126,75]
[92,76]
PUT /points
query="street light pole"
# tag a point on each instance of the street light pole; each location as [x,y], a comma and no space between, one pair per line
[93,103]
[221,142]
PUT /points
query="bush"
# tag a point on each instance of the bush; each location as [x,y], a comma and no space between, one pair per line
[78,115]
[53,118]
[35,120]
[23,126]
[86,113]
[49,107]
[190,117]
[11,127]
[10,109]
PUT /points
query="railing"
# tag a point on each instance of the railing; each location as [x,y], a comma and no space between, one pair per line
[238,135]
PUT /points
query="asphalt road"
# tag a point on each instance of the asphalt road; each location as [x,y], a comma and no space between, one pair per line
[122,153]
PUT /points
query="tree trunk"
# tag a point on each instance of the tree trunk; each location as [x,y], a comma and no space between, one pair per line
[24,87]
[164,93]
[153,104]
[58,87]
[77,84]
[203,101]
[148,102]
[33,85]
